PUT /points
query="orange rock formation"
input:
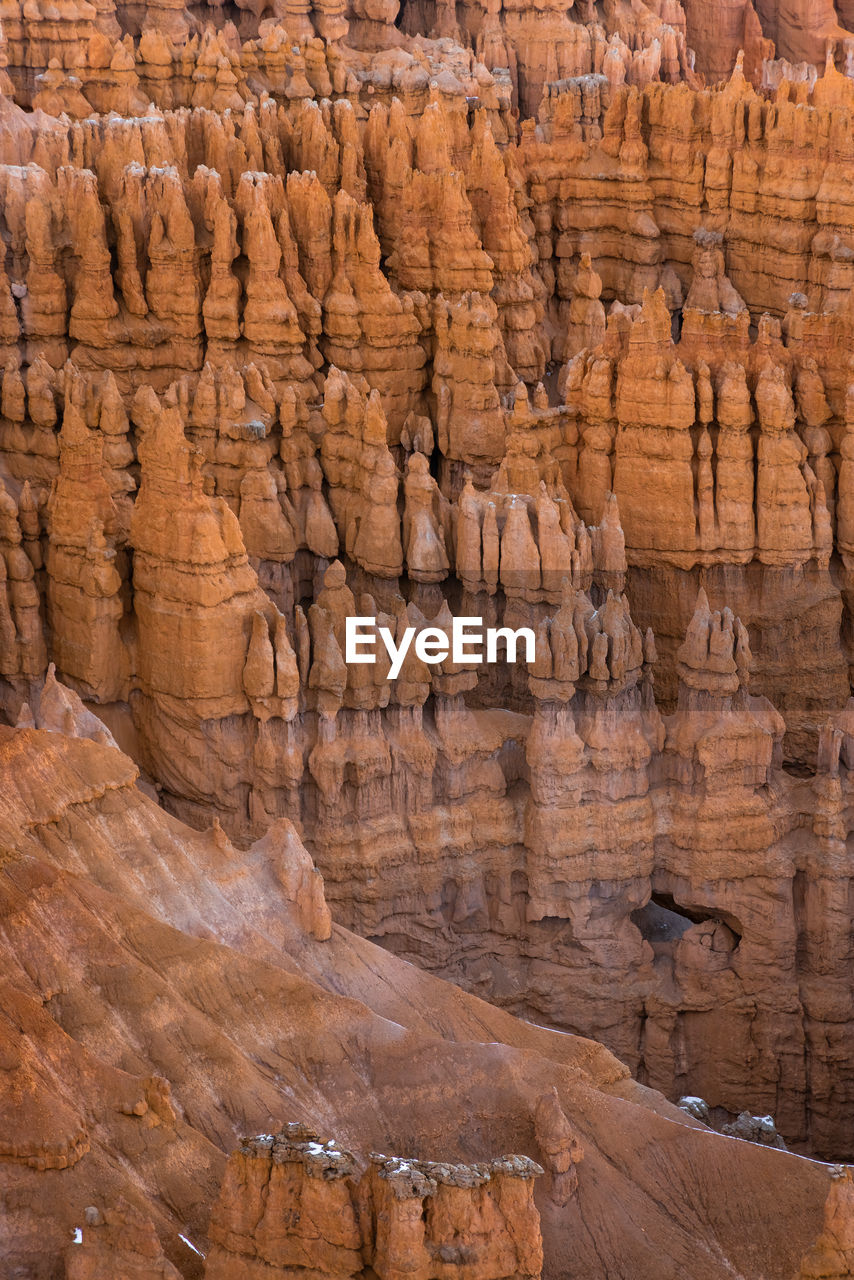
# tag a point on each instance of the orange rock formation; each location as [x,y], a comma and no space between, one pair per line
[538,315]
[165,992]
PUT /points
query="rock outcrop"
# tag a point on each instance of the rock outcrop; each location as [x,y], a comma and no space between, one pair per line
[290,1200]
[832,1255]
[164,991]
[117,1241]
[415,313]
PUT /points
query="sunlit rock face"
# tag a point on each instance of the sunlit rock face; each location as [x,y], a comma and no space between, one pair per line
[418,312]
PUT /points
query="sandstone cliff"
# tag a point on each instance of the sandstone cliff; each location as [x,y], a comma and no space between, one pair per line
[418,311]
[164,993]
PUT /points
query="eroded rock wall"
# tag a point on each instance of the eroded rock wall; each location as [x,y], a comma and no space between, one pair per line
[401,1217]
[165,992]
[341,310]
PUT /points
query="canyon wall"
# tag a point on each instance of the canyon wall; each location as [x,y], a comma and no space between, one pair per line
[343,309]
[640,838]
[165,993]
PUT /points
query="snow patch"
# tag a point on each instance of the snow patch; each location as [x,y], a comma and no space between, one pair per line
[190,1245]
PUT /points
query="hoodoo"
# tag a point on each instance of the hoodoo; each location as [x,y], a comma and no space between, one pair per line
[426,640]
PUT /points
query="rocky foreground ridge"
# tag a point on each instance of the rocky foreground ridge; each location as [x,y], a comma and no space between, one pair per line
[165,993]
[316,310]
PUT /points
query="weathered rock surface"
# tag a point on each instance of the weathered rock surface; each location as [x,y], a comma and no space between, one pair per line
[832,1255]
[412,311]
[402,1217]
[164,992]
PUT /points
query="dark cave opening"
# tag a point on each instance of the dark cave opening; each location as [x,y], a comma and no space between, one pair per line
[663,919]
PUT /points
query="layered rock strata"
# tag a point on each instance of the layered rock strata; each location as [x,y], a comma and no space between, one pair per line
[401,1217]
[414,314]
[164,992]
